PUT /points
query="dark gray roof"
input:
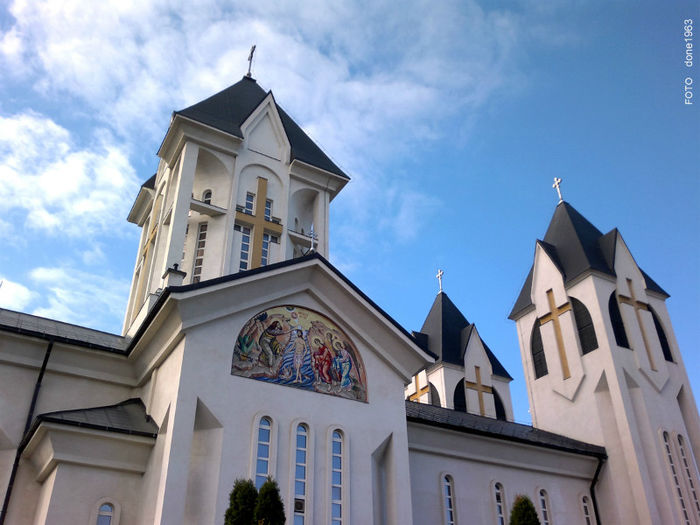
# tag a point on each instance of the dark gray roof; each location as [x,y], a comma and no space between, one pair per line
[150,183]
[128,417]
[447,332]
[228,110]
[576,246]
[49,329]
[498,429]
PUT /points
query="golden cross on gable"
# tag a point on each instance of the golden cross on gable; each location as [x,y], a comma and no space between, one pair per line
[259,223]
[553,316]
[480,389]
[638,305]
[419,391]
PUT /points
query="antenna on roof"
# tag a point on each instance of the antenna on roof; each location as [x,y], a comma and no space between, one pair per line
[250,60]
[557,182]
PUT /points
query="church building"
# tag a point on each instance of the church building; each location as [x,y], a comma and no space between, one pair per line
[246,354]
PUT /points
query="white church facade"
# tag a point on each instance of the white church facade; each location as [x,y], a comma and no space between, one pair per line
[246,354]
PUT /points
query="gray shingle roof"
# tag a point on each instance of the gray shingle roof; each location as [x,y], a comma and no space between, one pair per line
[498,429]
[576,246]
[128,417]
[228,110]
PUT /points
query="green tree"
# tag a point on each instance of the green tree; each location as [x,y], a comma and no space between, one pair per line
[269,509]
[523,512]
[242,499]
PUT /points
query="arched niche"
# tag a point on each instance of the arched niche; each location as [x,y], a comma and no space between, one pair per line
[211,174]
[302,206]
[297,347]
[248,182]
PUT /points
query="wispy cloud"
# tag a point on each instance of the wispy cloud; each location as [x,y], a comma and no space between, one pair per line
[15,296]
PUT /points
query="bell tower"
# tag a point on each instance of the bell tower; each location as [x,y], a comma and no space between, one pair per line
[239,186]
[602,365]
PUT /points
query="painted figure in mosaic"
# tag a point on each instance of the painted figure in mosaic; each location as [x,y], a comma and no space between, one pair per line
[323,360]
[343,363]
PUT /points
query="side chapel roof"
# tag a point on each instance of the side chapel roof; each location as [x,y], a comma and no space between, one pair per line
[227,110]
[576,246]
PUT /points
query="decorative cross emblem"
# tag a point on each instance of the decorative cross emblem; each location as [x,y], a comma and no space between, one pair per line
[250,60]
[419,391]
[258,223]
[439,278]
[480,389]
[557,182]
[553,316]
[638,305]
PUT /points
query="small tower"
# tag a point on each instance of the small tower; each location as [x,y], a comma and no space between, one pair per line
[466,375]
[602,365]
[239,185]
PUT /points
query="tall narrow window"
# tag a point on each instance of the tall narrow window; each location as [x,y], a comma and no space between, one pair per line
[199,253]
[617,324]
[206,197]
[586,511]
[105,514]
[337,478]
[245,248]
[665,348]
[544,507]
[249,202]
[499,499]
[262,463]
[584,324]
[674,476]
[268,210]
[265,249]
[538,359]
[300,475]
[688,469]
[448,494]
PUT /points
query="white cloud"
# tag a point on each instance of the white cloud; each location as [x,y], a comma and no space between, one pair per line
[61,187]
[15,296]
[80,297]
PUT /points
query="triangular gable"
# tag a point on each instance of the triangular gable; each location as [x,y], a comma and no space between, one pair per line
[264,131]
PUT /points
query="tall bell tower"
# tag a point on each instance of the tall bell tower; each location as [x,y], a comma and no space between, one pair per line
[239,185]
[602,365]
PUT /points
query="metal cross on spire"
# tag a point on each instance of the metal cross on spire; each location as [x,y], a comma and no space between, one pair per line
[250,60]
[439,278]
[557,182]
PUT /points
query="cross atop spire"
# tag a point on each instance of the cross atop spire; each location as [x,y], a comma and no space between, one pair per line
[439,278]
[557,182]
[250,60]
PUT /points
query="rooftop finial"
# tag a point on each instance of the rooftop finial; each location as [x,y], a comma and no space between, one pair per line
[439,278]
[557,182]
[250,60]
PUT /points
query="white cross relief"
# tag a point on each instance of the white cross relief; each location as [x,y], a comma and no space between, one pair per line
[439,278]
[557,182]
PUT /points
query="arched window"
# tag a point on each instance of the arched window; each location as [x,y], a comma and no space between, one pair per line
[544,507]
[688,470]
[584,324]
[500,408]
[105,514]
[586,510]
[300,470]
[448,495]
[262,463]
[665,348]
[674,476]
[337,478]
[460,398]
[499,500]
[538,359]
[206,197]
[617,324]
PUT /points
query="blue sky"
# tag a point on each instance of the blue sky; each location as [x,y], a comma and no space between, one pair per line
[452,119]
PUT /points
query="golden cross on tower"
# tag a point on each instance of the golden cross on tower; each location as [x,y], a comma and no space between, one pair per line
[439,278]
[480,389]
[638,305]
[553,315]
[419,391]
[259,223]
[557,182]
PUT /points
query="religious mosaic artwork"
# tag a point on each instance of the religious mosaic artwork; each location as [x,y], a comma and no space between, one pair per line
[294,346]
